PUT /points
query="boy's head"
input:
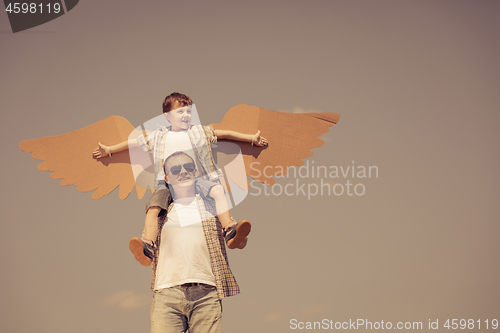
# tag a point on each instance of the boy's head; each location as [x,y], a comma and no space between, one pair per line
[177,110]
[181,99]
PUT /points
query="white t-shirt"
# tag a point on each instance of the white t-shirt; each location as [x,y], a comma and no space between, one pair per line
[183,256]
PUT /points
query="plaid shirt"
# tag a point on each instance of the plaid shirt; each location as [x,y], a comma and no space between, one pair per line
[224,280]
[200,136]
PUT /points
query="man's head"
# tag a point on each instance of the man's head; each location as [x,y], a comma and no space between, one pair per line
[177,110]
[180,169]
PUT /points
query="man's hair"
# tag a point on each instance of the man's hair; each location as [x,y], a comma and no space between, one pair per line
[177,153]
[182,99]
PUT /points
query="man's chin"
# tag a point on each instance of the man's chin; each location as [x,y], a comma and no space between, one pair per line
[185,182]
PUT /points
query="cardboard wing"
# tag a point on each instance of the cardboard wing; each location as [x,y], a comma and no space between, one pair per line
[291,137]
[69,157]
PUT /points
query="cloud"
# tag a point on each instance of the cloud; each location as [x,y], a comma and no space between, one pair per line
[127,299]
[320,308]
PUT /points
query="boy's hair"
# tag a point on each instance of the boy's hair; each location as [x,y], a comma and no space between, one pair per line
[177,153]
[182,99]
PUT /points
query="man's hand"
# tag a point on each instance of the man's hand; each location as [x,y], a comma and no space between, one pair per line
[258,140]
[101,151]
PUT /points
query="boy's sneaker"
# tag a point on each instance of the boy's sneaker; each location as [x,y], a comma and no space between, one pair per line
[142,251]
[237,233]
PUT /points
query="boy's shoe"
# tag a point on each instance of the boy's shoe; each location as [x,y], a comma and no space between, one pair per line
[142,251]
[237,233]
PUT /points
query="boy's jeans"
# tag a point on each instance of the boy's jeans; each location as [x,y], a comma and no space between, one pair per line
[178,309]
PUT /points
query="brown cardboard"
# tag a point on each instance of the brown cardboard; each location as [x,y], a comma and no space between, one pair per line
[291,137]
[69,156]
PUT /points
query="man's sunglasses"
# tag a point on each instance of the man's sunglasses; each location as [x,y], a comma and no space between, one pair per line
[176,169]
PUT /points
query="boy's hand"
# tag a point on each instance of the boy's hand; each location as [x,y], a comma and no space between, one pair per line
[101,151]
[258,140]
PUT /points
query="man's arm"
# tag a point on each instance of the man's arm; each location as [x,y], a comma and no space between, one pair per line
[255,139]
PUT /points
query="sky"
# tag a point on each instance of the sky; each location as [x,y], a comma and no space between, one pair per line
[416,86]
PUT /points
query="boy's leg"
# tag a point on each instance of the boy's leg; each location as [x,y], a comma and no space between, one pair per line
[217,192]
[235,233]
[235,236]
[143,249]
[151,224]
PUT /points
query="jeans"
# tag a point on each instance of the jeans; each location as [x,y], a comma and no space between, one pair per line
[178,309]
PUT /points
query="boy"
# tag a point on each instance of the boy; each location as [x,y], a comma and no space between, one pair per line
[182,135]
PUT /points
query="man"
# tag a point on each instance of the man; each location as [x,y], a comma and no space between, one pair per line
[191,274]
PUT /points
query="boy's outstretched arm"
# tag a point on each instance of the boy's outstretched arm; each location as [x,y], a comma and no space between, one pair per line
[103,150]
[255,139]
